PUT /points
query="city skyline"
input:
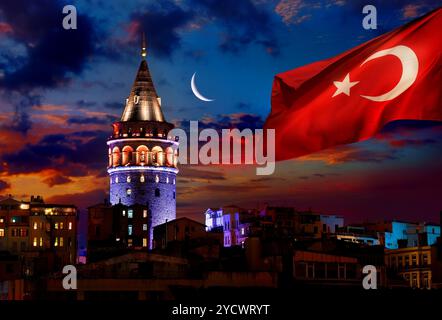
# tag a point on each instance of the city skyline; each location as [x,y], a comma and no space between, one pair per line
[54,125]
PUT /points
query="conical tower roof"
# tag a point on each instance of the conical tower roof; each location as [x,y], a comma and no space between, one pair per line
[143,103]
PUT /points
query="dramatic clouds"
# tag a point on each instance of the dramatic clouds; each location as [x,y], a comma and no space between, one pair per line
[161,21]
[242,23]
[51,53]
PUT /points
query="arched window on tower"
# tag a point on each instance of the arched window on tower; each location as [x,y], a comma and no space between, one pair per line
[157,156]
[169,157]
[115,156]
[127,155]
[175,159]
[110,157]
[142,152]
[157,192]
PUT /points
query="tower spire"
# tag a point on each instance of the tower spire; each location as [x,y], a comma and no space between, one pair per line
[143,46]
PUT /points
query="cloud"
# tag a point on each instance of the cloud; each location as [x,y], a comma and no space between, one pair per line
[411,11]
[4,185]
[401,143]
[82,199]
[56,179]
[5,28]
[243,23]
[113,105]
[85,104]
[192,173]
[161,22]
[74,154]
[289,11]
[227,121]
[91,120]
[52,54]
[351,153]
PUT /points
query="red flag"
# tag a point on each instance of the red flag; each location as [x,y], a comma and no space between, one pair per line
[350,97]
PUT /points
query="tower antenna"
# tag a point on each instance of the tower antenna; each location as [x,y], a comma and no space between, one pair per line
[143,45]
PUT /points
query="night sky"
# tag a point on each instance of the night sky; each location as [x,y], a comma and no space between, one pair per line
[61,89]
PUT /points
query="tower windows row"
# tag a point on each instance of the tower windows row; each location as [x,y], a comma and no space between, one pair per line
[142,179]
[142,156]
[157,193]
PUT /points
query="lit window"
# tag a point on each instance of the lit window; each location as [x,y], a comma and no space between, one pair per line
[61,241]
[130,213]
[128,179]
[2,220]
[70,226]
[56,242]
[128,192]
[34,242]
[56,225]
[35,226]
[144,213]
[173,181]
[167,180]
[142,179]
[124,213]
[144,227]
[144,242]
[2,232]
[41,242]
[129,229]
[242,231]
[61,225]
[116,180]
[157,179]
[129,242]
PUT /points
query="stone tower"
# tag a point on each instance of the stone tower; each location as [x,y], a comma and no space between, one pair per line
[142,156]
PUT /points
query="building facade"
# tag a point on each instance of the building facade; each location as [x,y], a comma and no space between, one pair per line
[413,264]
[37,227]
[142,155]
[118,226]
[181,229]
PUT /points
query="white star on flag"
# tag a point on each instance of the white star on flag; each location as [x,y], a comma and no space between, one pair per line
[344,86]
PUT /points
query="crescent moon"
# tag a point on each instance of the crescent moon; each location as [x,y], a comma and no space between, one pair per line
[196,92]
[410,68]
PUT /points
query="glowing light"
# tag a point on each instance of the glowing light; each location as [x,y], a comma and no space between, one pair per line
[142,140]
[142,168]
[24,206]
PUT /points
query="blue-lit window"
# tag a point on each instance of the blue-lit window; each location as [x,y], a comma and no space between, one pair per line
[129,229]
[128,192]
[145,227]
[130,213]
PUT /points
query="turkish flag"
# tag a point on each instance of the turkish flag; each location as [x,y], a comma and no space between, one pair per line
[350,97]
